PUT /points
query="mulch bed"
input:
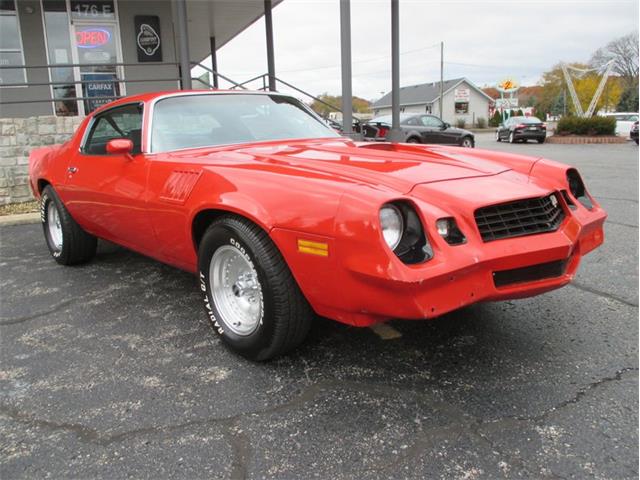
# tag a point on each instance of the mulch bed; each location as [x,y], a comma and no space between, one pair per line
[577,139]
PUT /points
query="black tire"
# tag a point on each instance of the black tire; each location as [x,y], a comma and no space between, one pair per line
[286,314]
[541,140]
[77,246]
[413,140]
[467,142]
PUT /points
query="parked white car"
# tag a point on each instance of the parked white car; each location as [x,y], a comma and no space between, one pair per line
[624,121]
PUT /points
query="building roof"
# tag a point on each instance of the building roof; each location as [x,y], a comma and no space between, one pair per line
[424,93]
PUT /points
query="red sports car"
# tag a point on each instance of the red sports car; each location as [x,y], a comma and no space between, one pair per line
[281,218]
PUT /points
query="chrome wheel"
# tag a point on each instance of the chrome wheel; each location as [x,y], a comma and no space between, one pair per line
[236,290]
[54,226]
[497,136]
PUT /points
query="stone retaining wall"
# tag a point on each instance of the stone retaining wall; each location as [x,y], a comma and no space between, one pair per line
[571,139]
[18,136]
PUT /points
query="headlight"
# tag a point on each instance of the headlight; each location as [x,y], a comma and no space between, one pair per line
[577,188]
[403,233]
[448,229]
[392,225]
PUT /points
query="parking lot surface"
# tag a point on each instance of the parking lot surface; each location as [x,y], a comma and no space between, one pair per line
[110,370]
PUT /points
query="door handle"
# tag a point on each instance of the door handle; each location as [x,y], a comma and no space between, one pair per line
[72,170]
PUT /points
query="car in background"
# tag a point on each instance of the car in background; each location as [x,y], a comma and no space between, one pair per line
[337,125]
[633,134]
[624,121]
[419,128]
[521,129]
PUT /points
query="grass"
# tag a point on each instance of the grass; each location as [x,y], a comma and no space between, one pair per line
[15,208]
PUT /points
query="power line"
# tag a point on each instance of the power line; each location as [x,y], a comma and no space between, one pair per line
[360,61]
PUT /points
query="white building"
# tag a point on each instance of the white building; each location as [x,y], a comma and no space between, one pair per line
[461,100]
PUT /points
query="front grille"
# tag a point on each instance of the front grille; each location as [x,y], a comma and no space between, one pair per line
[519,218]
[529,274]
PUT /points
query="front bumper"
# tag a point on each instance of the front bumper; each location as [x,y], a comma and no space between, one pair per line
[357,287]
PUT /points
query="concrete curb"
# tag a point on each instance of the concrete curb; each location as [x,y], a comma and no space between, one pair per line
[19,219]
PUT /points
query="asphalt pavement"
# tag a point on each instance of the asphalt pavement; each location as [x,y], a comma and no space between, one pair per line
[110,370]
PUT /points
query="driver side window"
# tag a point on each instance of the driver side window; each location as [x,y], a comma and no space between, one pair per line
[429,121]
[119,122]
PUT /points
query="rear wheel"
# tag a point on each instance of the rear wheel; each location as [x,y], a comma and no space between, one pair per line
[68,243]
[250,296]
[498,139]
[541,140]
[512,138]
[467,142]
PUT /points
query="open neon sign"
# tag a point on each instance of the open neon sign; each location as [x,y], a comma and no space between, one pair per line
[92,38]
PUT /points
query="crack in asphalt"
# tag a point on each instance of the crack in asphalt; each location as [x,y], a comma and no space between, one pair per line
[622,224]
[600,293]
[56,308]
[241,446]
[429,439]
[633,200]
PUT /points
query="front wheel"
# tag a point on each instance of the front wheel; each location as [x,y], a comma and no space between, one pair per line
[250,296]
[413,140]
[512,138]
[467,142]
[498,139]
[68,243]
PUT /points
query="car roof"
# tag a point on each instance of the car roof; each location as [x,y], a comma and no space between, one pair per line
[151,96]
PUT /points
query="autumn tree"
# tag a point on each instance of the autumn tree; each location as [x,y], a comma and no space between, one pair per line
[359,105]
[555,90]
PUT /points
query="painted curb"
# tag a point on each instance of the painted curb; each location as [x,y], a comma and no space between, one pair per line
[19,219]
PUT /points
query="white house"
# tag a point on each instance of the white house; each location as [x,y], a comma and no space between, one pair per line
[461,100]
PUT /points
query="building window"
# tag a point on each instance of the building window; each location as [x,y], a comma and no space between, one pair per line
[56,21]
[11,51]
[462,107]
[427,109]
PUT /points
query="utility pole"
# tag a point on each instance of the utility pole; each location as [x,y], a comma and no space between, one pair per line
[441,75]
[345,66]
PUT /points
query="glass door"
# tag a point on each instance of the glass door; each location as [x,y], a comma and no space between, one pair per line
[96,48]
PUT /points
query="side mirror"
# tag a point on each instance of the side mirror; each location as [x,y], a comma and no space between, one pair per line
[120,146]
[445,125]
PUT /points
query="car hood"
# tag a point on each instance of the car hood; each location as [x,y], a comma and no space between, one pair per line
[396,166]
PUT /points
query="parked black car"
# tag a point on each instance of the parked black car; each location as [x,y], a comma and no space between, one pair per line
[419,128]
[337,125]
[516,129]
[633,134]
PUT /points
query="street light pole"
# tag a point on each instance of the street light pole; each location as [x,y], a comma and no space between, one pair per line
[395,135]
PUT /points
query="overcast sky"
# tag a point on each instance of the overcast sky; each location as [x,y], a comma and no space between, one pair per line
[484,41]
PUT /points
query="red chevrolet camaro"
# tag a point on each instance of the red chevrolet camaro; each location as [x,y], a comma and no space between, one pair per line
[281,218]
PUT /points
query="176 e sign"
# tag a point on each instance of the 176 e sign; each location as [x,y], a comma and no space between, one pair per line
[92,9]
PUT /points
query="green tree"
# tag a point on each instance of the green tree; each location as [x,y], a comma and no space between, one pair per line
[496,118]
[628,100]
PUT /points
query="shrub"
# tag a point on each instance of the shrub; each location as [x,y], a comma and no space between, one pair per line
[461,122]
[481,122]
[496,119]
[586,126]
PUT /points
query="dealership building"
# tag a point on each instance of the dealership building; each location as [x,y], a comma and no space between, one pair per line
[67,57]
[461,99]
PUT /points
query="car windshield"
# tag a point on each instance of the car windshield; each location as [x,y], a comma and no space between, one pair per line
[190,121]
